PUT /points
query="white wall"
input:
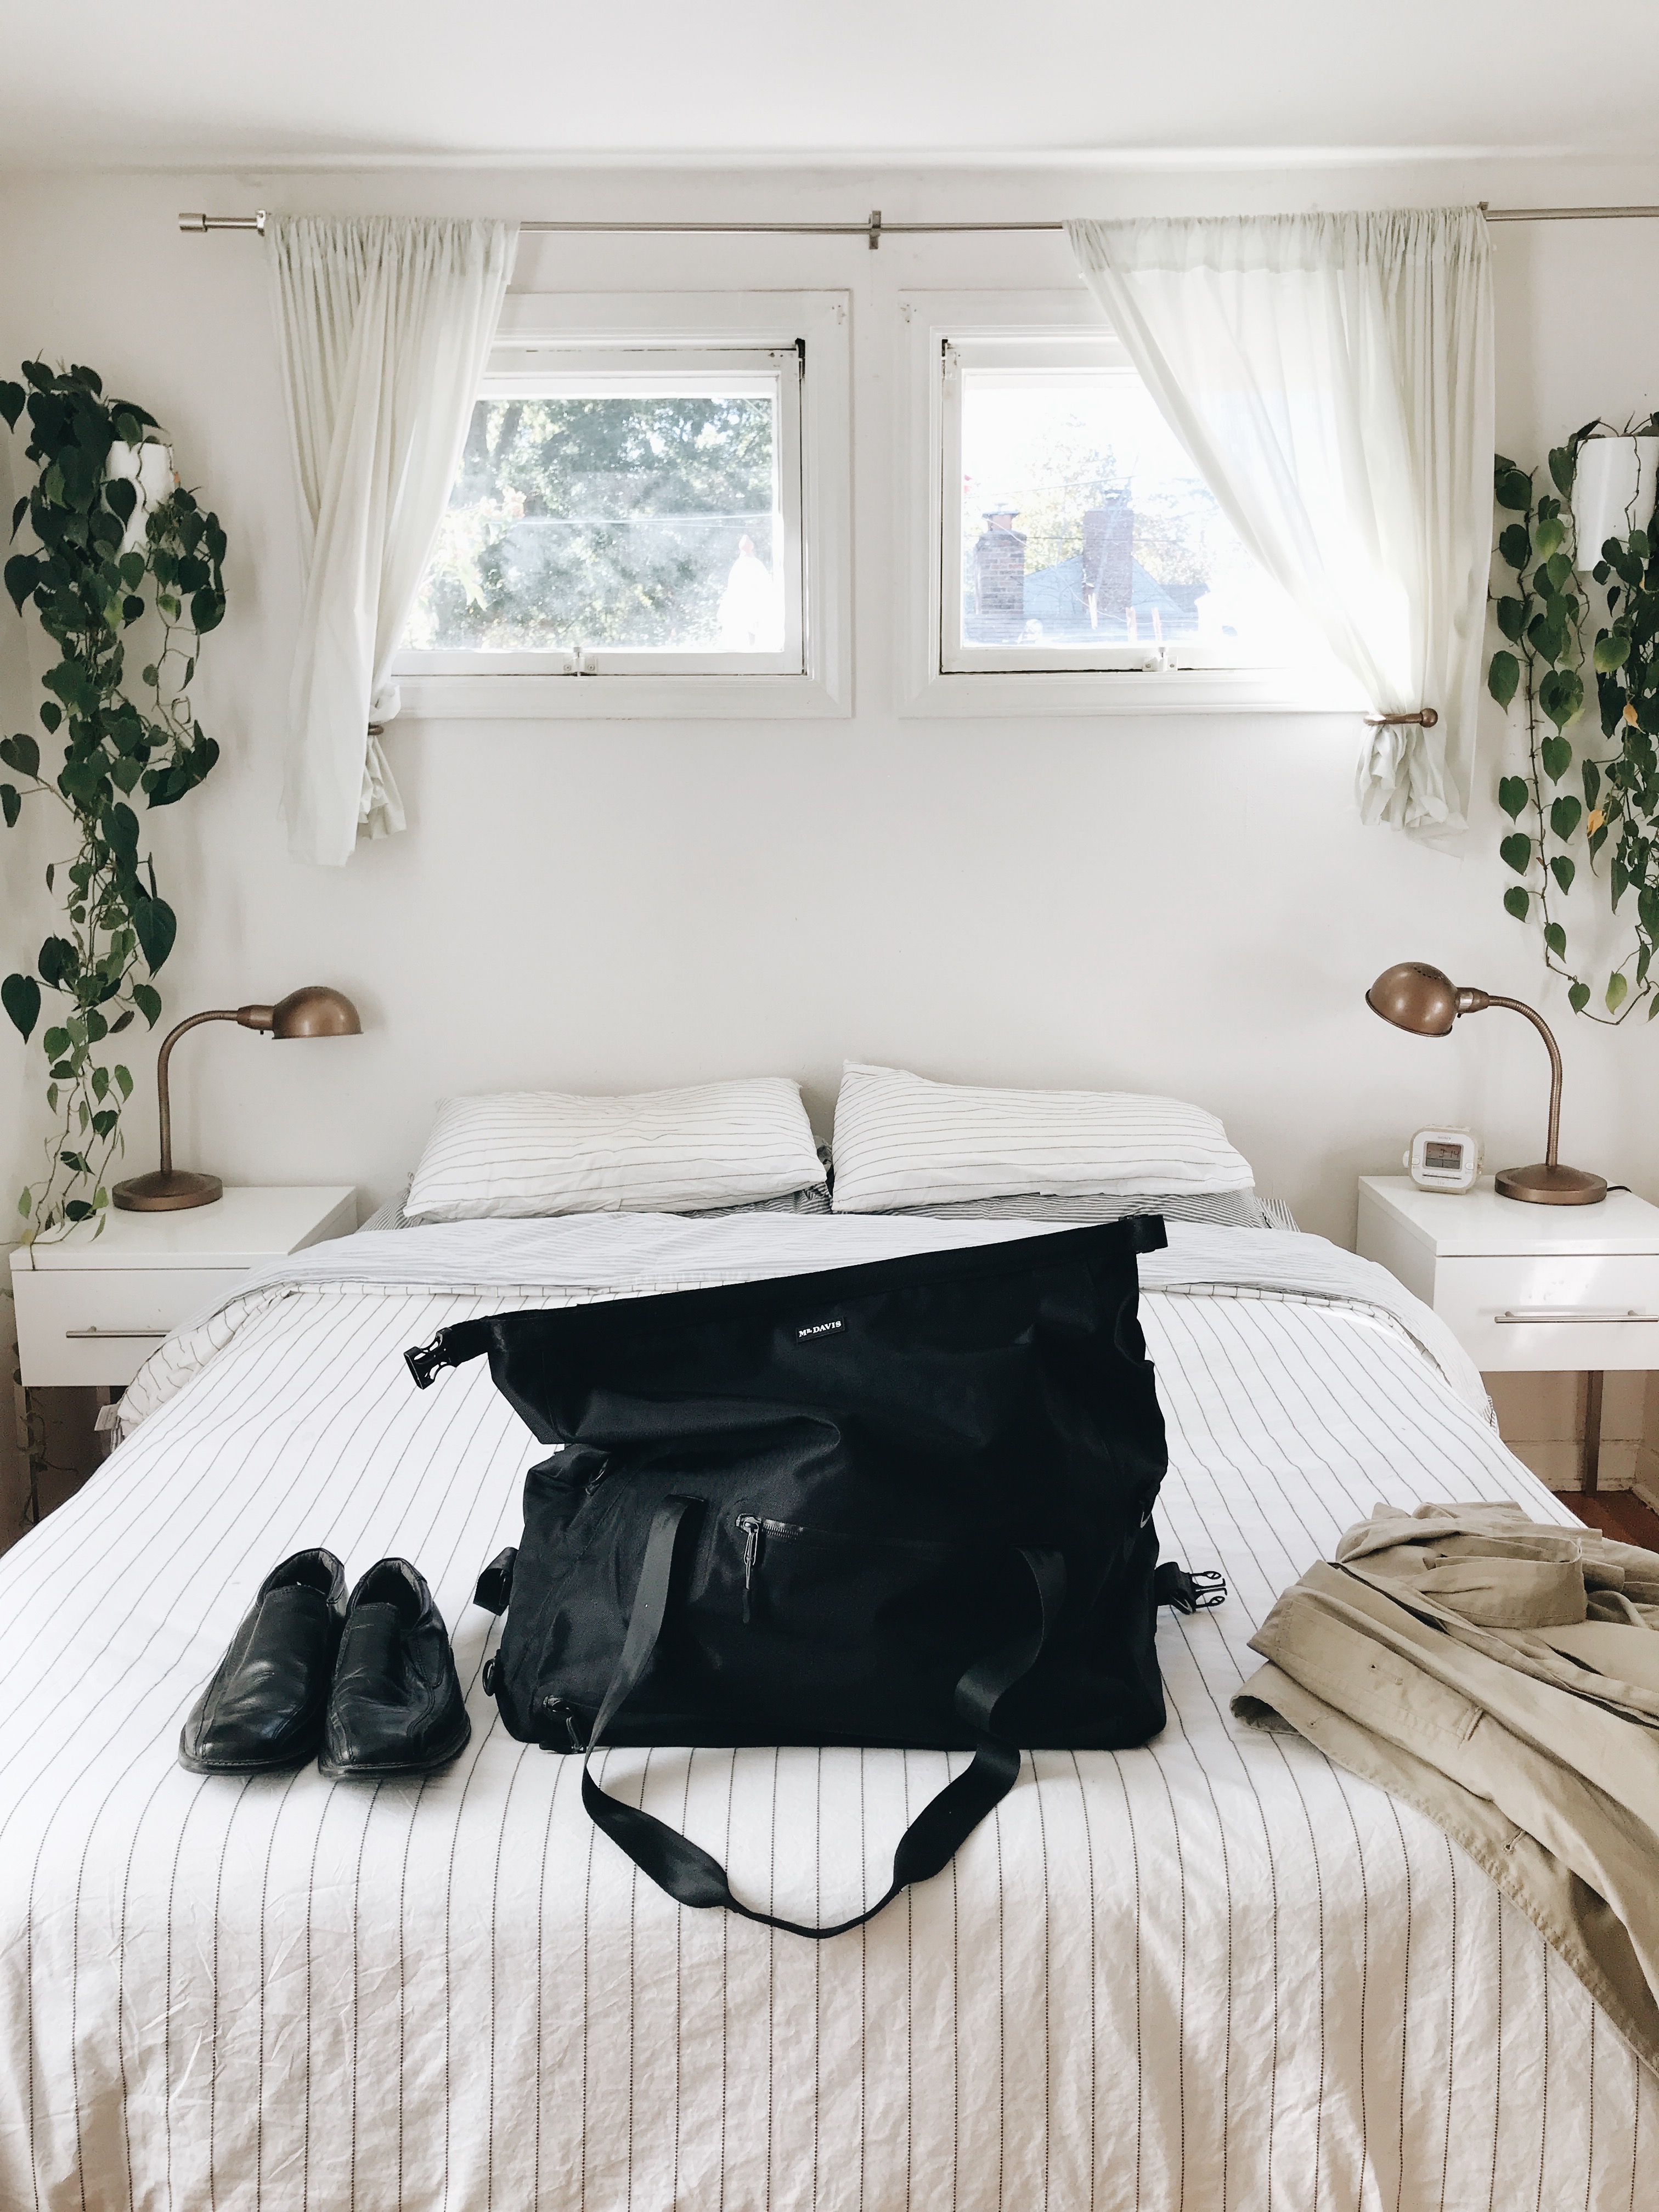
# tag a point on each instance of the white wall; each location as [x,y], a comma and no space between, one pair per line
[1182,906]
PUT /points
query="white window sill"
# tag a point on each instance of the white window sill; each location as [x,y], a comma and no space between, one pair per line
[1134,692]
[619,698]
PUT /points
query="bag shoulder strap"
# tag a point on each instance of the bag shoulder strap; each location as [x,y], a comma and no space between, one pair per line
[944,1825]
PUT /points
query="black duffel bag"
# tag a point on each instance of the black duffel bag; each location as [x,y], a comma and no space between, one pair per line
[906,1503]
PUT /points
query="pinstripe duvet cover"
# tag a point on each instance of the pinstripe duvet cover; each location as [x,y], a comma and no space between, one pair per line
[1215,1972]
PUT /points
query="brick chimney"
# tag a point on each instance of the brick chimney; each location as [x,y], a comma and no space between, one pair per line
[999,579]
[1109,533]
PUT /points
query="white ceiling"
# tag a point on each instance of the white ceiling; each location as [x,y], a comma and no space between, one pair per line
[195,83]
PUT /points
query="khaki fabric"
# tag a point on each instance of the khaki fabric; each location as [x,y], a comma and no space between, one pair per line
[1502,1674]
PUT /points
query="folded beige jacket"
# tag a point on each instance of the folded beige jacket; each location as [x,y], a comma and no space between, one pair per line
[1502,1674]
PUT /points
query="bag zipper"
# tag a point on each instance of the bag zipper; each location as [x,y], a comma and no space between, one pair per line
[555,1710]
[751,1525]
[756,1528]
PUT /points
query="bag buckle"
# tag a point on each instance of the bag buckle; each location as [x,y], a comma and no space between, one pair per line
[425,1360]
[1184,1592]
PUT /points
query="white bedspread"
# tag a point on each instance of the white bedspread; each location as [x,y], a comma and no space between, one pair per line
[1215,1972]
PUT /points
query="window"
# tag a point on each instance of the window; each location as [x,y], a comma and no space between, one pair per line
[1084,536]
[637,512]
[625,513]
[1075,560]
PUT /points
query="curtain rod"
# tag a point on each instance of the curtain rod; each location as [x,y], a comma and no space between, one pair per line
[875,229]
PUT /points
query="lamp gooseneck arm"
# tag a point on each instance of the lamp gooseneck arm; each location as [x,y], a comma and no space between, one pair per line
[1516,1007]
[219,1014]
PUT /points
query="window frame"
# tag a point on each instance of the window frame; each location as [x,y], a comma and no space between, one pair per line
[1148,680]
[614,681]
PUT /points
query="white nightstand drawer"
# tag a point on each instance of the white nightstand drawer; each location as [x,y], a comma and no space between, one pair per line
[1553,1311]
[92,1325]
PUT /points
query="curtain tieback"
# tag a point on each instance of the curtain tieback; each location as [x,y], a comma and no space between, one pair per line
[1425,717]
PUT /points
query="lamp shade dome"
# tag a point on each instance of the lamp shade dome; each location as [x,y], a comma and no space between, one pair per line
[315,1011]
[1416,997]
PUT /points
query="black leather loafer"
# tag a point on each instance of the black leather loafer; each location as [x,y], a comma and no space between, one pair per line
[263,1710]
[397,1705]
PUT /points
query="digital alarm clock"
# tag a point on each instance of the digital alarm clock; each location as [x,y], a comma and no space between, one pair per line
[1443,1159]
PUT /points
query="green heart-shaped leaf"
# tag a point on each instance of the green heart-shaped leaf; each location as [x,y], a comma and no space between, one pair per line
[20,996]
[1561,695]
[157,926]
[1513,795]
[1556,753]
[1516,853]
[1503,677]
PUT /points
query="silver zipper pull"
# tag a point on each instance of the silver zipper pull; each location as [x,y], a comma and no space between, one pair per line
[750,1525]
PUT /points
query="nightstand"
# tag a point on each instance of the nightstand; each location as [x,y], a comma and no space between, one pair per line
[1526,1288]
[91,1310]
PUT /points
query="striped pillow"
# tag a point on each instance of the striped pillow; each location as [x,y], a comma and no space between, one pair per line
[903,1141]
[523,1153]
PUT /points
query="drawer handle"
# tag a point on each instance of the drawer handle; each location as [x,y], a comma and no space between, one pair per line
[1555,1314]
[74,1333]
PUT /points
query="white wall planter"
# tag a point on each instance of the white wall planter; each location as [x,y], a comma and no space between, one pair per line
[1612,492]
[149,467]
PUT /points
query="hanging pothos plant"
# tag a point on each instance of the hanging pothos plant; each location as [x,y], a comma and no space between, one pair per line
[1545,619]
[93,577]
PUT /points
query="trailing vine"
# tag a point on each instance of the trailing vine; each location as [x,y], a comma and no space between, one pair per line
[89,593]
[1546,618]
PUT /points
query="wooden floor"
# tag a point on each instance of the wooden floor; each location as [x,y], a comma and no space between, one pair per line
[1617,1513]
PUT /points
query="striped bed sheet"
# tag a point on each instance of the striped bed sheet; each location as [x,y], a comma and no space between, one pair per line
[1214,1972]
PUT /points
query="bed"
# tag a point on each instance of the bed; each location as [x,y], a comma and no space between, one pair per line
[1214,1972]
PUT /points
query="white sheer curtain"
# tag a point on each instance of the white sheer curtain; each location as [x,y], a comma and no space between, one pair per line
[1331,376]
[385,327]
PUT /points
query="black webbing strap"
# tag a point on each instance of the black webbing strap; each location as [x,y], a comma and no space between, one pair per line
[940,1830]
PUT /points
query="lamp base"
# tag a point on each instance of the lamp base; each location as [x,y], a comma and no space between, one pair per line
[1542,1185]
[166,1194]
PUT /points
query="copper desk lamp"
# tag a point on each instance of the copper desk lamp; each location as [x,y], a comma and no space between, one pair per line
[313,1011]
[1416,997]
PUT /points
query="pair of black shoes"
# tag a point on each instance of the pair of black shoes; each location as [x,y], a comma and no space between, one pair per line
[367,1685]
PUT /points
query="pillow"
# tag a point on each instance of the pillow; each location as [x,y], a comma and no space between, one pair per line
[903,1141]
[523,1153]
[393,1215]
